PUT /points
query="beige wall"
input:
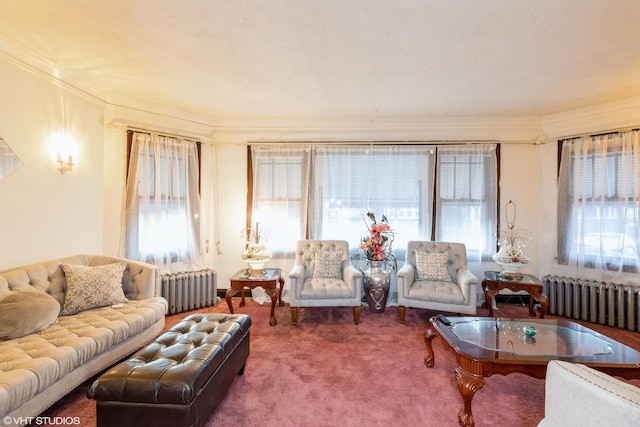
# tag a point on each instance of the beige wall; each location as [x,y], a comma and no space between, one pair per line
[44,214]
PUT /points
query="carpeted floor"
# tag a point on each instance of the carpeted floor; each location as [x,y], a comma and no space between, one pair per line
[327,372]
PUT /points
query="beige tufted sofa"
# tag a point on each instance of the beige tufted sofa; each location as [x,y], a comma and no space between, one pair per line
[38,369]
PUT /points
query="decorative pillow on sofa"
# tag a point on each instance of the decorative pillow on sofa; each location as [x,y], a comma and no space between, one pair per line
[24,313]
[328,265]
[90,287]
[433,266]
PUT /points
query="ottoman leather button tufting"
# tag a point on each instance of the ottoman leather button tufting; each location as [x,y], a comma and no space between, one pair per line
[178,379]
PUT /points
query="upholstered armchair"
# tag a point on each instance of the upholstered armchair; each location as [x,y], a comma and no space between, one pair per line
[323,276]
[435,277]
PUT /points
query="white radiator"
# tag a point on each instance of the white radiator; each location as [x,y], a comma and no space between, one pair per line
[608,304]
[190,290]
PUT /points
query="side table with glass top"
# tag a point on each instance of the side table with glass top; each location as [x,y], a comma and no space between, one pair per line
[494,282]
[267,280]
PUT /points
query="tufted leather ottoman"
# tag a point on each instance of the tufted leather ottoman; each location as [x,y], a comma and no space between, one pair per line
[179,379]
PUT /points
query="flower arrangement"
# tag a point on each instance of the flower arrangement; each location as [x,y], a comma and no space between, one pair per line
[377,245]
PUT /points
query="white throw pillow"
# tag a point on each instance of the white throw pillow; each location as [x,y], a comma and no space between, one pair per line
[433,266]
[328,265]
[90,287]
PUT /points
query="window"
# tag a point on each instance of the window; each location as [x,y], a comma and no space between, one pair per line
[278,194]
[324,191]
[598,202]
[162,203]
[466,198]
[348,181]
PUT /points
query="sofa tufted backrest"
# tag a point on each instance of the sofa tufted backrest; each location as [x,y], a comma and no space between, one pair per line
[139,280]
[457,254]
[306,252]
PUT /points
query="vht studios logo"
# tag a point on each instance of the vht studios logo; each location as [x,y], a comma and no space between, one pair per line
[41,421]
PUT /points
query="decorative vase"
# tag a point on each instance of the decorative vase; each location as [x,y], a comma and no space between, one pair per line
[510,267]
[376,286]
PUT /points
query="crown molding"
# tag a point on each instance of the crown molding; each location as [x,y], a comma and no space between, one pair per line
[595,119]
[397,129]
[121,117]
[36,64]
[331,129]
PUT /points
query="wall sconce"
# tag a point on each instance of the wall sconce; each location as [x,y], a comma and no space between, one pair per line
[65,166]
[64,150]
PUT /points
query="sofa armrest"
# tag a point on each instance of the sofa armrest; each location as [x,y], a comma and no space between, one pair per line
[576,395]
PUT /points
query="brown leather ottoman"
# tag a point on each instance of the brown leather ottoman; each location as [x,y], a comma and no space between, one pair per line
[180,378]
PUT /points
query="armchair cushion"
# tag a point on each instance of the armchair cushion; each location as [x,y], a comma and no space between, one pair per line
[438,291]
[328,265]
[322,289]
[433,266]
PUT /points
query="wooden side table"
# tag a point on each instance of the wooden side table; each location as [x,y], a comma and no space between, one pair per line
[268,281]
[493,283]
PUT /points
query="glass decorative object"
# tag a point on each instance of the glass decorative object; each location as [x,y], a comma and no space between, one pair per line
[511,241]
[255,253]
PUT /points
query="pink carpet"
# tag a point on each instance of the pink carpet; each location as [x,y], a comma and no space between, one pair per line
[327,372]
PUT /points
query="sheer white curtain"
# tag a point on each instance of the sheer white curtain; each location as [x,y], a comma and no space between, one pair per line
[391,180]
[163,203]
[279,203]
[280,195]
[466,198]
[599,204]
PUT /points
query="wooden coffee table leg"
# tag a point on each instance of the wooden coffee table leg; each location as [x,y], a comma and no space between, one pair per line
[429,335]
[468,384]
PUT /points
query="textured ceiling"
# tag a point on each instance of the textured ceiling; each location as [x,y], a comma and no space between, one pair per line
[335,58]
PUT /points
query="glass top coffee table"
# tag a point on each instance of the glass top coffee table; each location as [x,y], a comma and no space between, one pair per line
[485,346]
